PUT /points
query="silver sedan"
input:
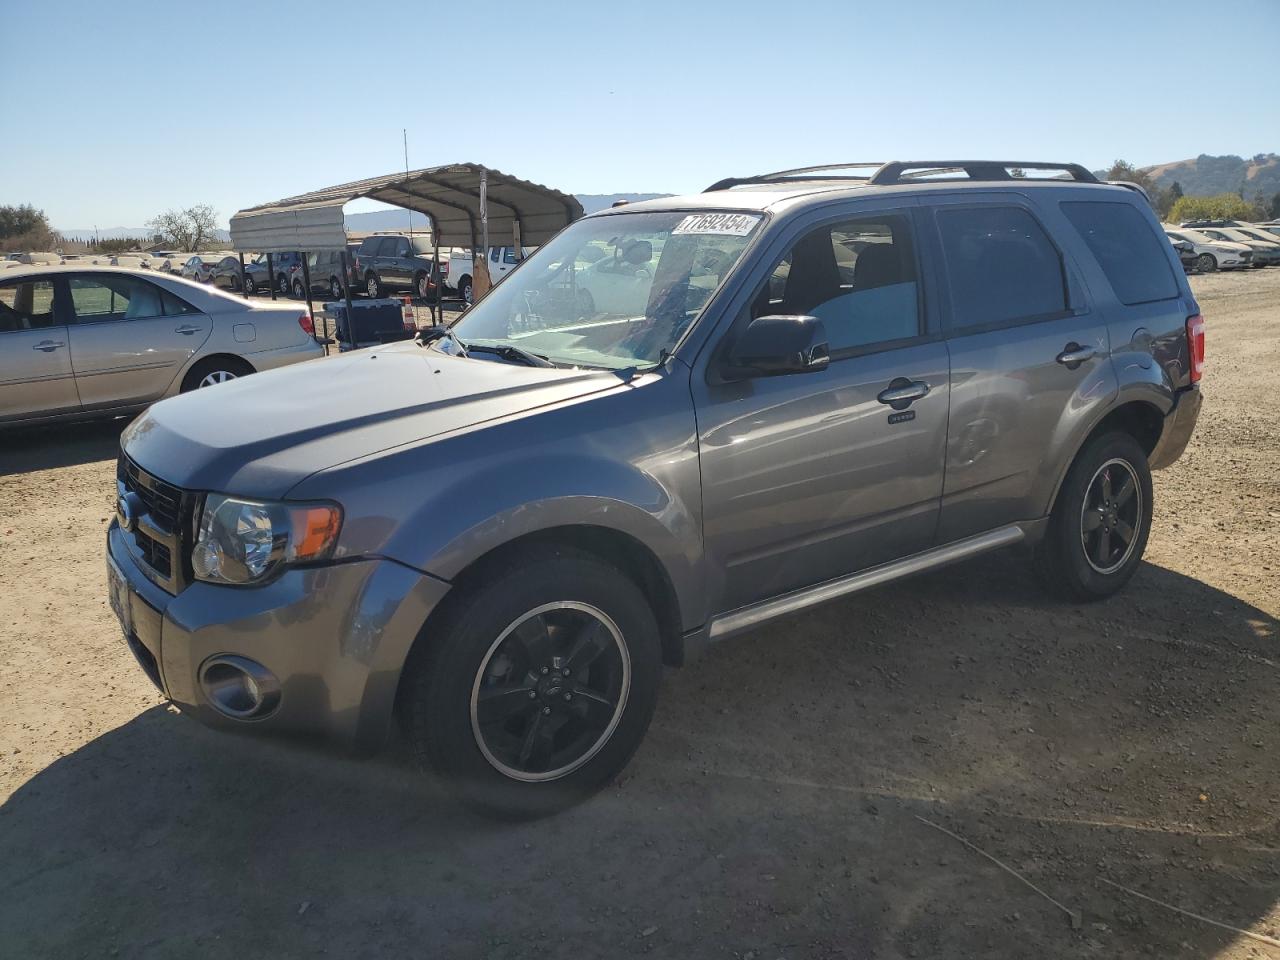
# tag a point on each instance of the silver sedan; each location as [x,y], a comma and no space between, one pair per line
[81,341]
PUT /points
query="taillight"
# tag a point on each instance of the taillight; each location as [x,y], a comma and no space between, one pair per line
[307,324]
[1195,346]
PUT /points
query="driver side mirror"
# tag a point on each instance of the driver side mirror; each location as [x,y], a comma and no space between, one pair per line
[778,344]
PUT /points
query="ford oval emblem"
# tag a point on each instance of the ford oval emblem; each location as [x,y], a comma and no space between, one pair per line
[126,512]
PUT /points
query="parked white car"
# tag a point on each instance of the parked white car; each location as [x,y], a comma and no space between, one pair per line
[1213,254]
[502,260]
[1265,252]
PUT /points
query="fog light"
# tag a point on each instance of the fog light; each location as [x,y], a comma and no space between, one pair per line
[239,688]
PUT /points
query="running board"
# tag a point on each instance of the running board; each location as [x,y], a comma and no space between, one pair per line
[744,618]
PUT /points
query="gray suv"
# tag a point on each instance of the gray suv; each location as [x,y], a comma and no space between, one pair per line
[678,420]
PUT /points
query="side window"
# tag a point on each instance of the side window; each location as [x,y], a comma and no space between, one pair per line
[113,297]
[493,254]
[175,306]
[858,277]
[1126,248]
[400,248]
[26,305]
[1000,266]
[509,256]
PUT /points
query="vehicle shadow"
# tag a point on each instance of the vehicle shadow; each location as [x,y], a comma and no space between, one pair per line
[29,449]
[773,809]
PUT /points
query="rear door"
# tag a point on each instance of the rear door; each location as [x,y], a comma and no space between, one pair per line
[35,358]
[1029,359]
[811,476]
[129,338]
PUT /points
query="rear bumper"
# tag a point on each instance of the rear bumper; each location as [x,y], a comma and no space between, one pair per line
[335,638]
[308,349]
[1179,424]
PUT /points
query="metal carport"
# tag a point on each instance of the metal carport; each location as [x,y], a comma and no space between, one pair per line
[466,204]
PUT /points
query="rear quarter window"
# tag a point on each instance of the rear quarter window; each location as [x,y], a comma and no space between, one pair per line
[1126,248]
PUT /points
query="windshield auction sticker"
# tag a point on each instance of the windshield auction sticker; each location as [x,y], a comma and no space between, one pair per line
[721,224]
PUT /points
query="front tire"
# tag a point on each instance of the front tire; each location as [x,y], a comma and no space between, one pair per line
[335,288]
[373,286]
[464,290]
[298,292]
[1100,523]
[1207,262]
[538,684]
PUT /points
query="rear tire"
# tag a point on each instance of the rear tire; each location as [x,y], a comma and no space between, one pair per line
[373,286]
[298,292]
[538,684]
[464,290]
[1098,530]
[214,370]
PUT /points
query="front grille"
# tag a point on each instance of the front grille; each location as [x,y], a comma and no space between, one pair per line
[163,500]
[155,554]
[160,538]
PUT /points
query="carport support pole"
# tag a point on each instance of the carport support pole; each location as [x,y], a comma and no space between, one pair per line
[271,276]
[244,279]
[306,285]
[435,268]
[346,292]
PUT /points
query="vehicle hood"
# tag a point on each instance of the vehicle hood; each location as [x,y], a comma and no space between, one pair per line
[261,435]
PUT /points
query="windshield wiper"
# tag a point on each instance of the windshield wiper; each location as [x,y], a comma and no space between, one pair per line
[509,351]
[432,334]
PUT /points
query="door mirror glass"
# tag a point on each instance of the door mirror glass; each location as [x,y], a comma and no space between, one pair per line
[779,344]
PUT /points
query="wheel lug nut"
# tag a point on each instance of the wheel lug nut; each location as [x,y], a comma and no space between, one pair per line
[564,672]
[545,711]
[568,697]
[545,671]
[533,694]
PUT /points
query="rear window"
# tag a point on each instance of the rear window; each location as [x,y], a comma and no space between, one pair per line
[1001,266]
[1126,248]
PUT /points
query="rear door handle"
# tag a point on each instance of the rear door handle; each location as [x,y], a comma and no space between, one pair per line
[1073,355]
[48,346]
[188,330]
[901,392]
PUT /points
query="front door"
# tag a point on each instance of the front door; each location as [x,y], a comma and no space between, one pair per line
[35,359]
[808,477]
[1028,361]
[130,338]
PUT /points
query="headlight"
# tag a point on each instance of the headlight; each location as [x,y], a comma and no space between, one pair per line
[247,541]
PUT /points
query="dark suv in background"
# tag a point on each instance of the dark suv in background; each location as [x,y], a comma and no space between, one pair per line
[786,389]
[394,261]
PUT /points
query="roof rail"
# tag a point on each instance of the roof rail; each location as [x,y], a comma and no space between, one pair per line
[897,170]
[783,176]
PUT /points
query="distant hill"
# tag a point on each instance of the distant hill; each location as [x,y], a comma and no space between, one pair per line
[373,220]
[1259,176]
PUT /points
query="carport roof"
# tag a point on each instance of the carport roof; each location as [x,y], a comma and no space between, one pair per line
[449,196]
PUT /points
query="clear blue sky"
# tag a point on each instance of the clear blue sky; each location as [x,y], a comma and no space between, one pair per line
[116,110]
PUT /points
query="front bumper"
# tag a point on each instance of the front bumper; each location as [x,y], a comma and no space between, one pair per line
[1179,424]
[335,637]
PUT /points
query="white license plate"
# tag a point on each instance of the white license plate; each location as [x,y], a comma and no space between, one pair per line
[118,594]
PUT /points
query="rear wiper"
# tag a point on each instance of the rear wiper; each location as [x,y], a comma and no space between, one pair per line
[509,351]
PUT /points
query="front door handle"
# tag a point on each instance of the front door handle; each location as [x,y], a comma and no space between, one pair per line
[188,330]
[48,346]
[901,392]
[1073,355]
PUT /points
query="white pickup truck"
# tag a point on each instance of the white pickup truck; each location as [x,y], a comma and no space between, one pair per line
[502,260]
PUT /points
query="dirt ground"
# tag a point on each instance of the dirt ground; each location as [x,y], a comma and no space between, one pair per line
[775,808]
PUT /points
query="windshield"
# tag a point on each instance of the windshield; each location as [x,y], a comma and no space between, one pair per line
[615,291]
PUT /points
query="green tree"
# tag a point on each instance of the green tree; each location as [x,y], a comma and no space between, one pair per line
[1223,206]
[1123,170]
[119,244]
[24,227]
[1274,209]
